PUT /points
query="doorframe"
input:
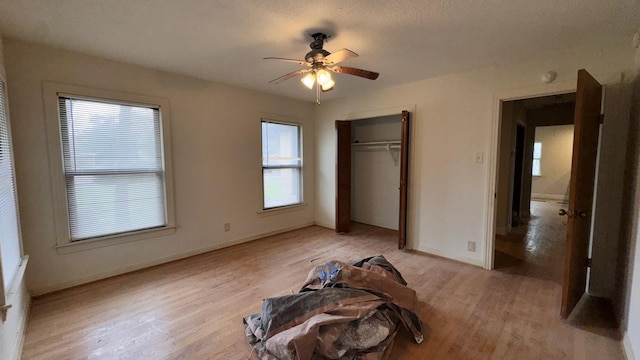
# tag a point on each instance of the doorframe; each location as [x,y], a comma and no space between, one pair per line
[391,111]
[556,88]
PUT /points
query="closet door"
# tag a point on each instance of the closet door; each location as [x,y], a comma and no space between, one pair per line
[343,176]
[404,174]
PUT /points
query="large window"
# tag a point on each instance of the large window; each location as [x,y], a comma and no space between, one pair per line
[10,250]
[537,156]
[114,174]
[281,164]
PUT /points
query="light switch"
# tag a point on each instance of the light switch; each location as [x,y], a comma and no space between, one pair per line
[479,157]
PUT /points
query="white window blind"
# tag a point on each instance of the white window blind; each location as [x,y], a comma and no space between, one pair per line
[281,165]
[113,167]
[9,229]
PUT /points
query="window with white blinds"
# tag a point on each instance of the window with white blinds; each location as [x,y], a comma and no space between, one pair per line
[281,164]
[114,169]
[10,249]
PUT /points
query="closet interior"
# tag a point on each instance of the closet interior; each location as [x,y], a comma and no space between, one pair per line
[375,170]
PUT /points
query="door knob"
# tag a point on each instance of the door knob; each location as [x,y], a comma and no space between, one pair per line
[563,212]
[582,214]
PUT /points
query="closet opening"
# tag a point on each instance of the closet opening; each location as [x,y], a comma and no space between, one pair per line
[371,173]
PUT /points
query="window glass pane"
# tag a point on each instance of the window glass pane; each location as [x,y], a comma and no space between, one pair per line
[535,168]
[9,228]
[280,145]
[112,204]
[281,187]
[537,150]
[100,136]
[114,167]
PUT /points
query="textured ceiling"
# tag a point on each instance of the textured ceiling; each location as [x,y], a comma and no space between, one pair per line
[404,41]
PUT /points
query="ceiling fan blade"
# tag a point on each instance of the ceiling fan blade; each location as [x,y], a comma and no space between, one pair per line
[289,76]
[339,56]
[353,71]
[300,62]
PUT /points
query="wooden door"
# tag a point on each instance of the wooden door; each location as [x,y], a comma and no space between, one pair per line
[583,166]
[404,172]
[343,176]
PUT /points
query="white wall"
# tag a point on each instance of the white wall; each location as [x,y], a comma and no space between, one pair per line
[216,161]
[12,330]
[375,174]
[453,119]
[555,164]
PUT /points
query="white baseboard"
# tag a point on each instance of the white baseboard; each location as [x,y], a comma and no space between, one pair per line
[325,225]
[384,226]
[549,197]
[627,347]
[186,254]
[451,256]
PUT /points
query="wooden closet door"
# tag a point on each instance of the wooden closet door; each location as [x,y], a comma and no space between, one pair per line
[343,176]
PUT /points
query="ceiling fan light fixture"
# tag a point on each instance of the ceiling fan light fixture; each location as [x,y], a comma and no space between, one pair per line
[309,80]
[323,77]
[328,85]
[320,63]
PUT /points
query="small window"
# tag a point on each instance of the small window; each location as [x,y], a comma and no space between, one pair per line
[281,164]
[537,155]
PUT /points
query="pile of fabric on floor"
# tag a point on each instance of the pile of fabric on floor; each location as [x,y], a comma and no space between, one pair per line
[343,311]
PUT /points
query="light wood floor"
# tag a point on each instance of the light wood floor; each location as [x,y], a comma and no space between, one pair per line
[193,308]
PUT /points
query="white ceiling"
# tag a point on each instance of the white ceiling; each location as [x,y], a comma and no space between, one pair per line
[225,40]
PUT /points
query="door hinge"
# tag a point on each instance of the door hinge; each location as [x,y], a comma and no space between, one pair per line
[588,262]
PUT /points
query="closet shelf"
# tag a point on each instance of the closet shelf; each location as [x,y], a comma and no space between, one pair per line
[377,143]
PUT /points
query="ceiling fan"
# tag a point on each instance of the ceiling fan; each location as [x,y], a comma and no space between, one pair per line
[320,63]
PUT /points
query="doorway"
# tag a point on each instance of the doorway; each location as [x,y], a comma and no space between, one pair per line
[375,171]
[373,134]
[536,141]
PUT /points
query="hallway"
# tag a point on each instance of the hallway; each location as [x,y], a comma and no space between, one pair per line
[535,249]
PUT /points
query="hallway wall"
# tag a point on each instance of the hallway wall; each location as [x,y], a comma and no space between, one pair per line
[555,162]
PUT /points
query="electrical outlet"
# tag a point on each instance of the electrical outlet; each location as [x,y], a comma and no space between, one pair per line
[227,227]
[471,246]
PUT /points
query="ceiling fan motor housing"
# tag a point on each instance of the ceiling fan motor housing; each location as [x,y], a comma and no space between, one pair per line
[317,53]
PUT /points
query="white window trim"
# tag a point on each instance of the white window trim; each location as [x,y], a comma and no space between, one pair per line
[51,92]
[287,208]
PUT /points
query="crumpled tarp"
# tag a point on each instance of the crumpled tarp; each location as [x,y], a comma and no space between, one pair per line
[343,311]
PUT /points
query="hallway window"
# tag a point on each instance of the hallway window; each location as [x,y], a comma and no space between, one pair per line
[537,155]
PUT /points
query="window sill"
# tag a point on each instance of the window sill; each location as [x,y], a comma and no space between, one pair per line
[282,210]
[89,244]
